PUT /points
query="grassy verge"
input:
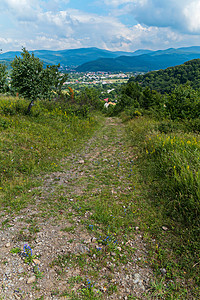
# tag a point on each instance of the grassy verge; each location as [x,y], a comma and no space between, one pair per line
[34,144]
[169,168]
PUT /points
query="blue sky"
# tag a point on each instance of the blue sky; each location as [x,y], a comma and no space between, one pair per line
[125,25]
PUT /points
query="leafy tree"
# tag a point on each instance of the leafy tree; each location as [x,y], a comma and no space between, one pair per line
[3,78]
[131,95]
[89,97]
[183,103]
[32,81]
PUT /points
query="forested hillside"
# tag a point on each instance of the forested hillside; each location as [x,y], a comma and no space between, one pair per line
[166,80]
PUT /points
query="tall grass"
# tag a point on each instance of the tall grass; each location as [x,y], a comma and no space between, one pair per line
[175,162]
[170,174]
[32,144]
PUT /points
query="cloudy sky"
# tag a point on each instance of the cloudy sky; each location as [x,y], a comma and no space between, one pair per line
[125,25]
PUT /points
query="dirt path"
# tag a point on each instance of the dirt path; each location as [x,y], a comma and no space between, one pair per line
[81,228]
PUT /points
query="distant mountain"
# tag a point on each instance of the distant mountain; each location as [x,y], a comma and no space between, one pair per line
[154,60]
[94,59]
[142,51]
[71,57]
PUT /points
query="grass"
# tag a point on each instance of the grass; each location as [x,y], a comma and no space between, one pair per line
[34,144]
[145,182]
[169,172]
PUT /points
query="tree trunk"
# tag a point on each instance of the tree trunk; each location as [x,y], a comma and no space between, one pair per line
[29,107]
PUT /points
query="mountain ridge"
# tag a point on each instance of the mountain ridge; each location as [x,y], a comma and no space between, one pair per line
[95,59]
[67,57]
[154,60]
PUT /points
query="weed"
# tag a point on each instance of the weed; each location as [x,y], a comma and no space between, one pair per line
[37,272]
[15,250]
[68,229]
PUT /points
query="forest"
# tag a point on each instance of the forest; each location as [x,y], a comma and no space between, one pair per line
[166,80]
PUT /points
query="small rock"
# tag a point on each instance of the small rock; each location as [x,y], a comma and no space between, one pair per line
[87,241]
[82,248]
[36,261]
[8,245]
[136,228]
[31,279]
[20,270]
[164,228]
[81,161]
[137,278]
[141,286]
[163,271]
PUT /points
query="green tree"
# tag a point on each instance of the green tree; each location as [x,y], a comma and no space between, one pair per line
[89,97]
[183,103]
[31,80]
[3,78]
[131,96]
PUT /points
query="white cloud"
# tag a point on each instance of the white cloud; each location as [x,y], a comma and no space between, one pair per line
[88,29]
[21,10]
[192,16]
[117,2]
[181,15]
[161,24]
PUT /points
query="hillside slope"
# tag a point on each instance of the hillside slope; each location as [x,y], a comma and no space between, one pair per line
[165,80]
[141,63]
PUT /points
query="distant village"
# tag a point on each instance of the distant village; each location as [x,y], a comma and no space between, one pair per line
[95,78]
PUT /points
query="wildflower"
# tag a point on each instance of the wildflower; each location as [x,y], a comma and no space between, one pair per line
[91,227]
[27,250]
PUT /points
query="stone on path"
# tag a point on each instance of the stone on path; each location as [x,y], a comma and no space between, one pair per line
[32,279]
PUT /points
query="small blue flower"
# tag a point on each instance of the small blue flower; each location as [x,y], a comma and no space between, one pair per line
[27,250]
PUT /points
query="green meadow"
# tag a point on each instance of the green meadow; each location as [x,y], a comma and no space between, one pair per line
[34,144]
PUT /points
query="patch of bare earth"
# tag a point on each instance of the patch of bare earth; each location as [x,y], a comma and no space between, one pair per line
[66,254]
